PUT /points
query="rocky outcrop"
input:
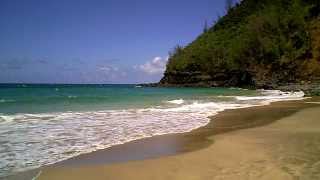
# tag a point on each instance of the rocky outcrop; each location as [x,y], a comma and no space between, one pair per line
[310,89]
[250,48]
[197,79]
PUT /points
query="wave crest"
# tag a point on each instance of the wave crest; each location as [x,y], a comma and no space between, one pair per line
[51,137]
[176,101]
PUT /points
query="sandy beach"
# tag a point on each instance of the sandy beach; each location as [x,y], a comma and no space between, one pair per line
[204,90]
[279,141]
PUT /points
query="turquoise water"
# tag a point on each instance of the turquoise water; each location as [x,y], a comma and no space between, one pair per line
[45,124]
[57,98]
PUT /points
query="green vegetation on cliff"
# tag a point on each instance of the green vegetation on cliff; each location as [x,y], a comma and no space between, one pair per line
[260,43]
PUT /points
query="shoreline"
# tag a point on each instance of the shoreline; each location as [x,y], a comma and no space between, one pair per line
[160,147]
[177,143]
[310,88]
[167,145]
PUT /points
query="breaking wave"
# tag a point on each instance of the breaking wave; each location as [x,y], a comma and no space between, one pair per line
[33,140]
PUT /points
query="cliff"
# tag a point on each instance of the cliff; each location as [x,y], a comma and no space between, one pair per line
[258,43]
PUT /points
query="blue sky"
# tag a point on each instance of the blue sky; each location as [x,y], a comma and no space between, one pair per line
[96,41]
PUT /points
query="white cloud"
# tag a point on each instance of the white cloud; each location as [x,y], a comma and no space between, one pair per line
[112,72]
[108,69]
[156,66]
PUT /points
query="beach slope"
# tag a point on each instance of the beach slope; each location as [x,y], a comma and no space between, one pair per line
[286,147]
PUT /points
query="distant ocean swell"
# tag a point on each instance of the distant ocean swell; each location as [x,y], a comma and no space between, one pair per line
[6,100]
[32,140]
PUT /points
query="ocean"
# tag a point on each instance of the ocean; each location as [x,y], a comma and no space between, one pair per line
[47,123]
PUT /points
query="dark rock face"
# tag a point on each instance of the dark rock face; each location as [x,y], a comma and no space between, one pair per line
[240,79]
[197,79]
[310,89]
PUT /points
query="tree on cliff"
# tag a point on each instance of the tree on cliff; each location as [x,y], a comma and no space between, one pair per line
[269,41]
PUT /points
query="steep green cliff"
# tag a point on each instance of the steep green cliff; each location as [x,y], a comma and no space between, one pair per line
[258,43]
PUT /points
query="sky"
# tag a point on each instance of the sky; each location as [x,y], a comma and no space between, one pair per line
[96,41]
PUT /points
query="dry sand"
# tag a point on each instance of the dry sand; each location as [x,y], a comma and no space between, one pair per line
[287,148]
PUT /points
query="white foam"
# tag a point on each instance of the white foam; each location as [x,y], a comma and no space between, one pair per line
[313,102]
[33,140]
[4,118]
[176,101]
[48,138]
[37,175]
[6,100]
[274,95]
[72,97]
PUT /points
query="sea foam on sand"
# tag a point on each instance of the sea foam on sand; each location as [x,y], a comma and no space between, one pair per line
[33,140]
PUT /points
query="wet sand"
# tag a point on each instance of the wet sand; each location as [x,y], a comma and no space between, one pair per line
[280,141]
